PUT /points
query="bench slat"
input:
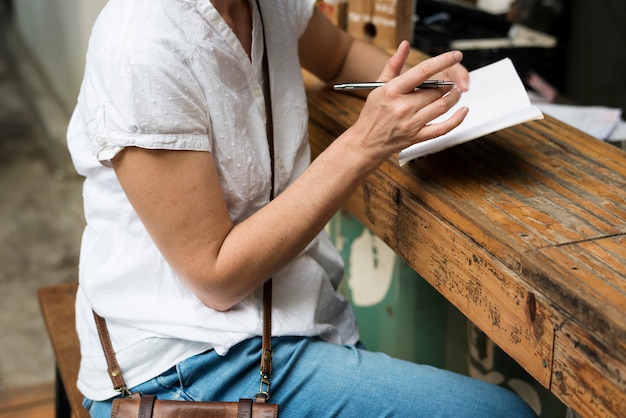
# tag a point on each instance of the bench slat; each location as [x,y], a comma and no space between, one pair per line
[57,306]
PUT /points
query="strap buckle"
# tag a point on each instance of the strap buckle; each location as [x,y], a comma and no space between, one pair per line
[264,388]
[124,392]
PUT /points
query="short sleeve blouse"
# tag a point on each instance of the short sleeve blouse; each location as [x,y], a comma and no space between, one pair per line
[170,74]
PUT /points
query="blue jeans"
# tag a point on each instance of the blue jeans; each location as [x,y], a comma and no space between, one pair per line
[313,378]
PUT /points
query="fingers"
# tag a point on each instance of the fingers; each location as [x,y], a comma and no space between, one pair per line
[459,74]
[421,124]
[436,106]
[432,103]
[437,129]
[396,116]
[406,82]
[395,63]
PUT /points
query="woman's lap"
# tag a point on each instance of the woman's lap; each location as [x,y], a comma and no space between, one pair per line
[315,378]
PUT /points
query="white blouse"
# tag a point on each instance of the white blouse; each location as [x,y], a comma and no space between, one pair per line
[171,74]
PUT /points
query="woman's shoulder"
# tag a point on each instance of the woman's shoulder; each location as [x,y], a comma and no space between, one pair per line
[143,28]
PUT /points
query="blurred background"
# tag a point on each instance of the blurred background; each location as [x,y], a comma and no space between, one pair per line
[42,48]
[574,54]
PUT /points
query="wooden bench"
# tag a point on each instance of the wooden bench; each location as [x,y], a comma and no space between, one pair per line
[57,306]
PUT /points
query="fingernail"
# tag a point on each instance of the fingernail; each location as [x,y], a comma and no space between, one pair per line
[458,55]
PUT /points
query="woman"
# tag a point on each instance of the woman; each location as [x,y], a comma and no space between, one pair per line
[169,132]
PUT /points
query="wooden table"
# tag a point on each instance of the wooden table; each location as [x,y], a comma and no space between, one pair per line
[524,231]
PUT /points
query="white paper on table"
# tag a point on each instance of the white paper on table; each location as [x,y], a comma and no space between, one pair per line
[496,100]
[619,133]
[598,121]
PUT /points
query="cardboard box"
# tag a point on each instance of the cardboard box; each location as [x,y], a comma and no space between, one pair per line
[383,22]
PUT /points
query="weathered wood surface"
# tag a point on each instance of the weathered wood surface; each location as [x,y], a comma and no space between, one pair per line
[587,277]
[587,375]
[523,230]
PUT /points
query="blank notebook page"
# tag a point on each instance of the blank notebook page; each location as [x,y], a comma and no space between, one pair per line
[496,100]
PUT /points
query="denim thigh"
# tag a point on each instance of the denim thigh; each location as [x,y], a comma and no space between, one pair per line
[313,378]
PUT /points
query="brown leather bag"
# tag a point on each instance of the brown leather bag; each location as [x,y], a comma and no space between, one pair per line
[138,405]
[147,406]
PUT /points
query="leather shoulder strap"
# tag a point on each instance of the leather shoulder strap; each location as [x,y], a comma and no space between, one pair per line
[266,355]
[115,373]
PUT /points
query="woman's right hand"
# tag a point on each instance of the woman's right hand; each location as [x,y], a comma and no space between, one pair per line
[396,115]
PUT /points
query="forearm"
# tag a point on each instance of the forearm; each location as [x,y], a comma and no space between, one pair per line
[178,197]
[334,56]
[275,235]
[364,62]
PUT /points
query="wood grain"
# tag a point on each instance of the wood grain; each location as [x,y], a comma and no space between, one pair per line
[586,374]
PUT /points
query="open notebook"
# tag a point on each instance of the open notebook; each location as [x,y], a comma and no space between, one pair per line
[496,100]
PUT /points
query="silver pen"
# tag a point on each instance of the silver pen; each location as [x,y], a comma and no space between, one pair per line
[428,84]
